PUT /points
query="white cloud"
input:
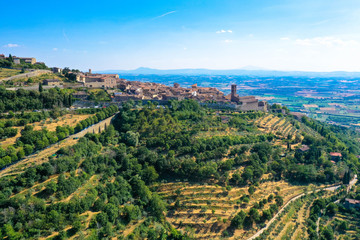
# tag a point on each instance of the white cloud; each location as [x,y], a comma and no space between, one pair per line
[165,14]
[284,39]
[228,41]
[55,49]
[224,31]
[325,41]
[11,45]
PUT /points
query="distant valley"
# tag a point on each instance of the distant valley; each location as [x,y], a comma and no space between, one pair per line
[333,97]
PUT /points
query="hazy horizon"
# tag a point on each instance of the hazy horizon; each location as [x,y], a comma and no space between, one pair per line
[280,35]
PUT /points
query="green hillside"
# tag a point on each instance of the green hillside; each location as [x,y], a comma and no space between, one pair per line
[178,172]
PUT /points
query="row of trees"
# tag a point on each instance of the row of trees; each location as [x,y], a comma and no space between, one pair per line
[246,220]
[23,100]
[32,140]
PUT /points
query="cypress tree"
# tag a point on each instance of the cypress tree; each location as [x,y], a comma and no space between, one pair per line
[40,87]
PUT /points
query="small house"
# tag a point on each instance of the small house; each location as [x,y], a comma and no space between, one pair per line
[303,149]
[352,203]
[335,156]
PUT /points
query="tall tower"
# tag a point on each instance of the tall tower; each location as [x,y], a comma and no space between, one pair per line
[89,71]
[233,92]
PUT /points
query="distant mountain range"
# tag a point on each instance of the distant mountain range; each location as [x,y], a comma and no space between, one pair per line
[247,71]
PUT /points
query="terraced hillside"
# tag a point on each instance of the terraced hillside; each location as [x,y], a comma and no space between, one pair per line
[180,172]
[206,210]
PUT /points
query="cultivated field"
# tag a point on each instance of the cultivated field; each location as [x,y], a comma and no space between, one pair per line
[205,211]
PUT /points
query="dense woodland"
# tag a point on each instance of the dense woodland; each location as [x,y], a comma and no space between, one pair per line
[23,100]
[150,144]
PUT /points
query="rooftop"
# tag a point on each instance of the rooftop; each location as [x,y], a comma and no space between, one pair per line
[335,154]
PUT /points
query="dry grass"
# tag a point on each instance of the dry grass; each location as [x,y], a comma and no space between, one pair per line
[43,155]
[68,119]
[5,73]
[50,125]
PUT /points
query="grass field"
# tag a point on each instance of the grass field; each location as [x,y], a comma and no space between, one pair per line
[4,72]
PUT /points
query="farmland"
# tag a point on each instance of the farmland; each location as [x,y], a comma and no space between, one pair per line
[206,210]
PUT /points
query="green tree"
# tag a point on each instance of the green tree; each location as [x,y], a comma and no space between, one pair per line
[132,138]
[157,207]
[238,220]
[40,87]
[251,190]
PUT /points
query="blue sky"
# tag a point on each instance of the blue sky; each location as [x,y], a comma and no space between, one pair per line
[218,34]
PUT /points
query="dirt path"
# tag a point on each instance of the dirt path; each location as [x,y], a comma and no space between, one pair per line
[89,183]
[132,228]
[55,234]
[53,177]
[42,156]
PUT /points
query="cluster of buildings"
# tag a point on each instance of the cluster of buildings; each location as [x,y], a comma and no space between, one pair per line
[18,60]
[105,81]
[123,90]
[137,91]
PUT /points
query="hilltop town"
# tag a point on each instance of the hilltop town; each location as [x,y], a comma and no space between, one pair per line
[120,89]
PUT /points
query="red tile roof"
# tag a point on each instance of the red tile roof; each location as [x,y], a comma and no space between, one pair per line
[335,154]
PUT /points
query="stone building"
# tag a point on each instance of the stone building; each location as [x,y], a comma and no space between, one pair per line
[17,60]
[52,82]
[247,103]
[56,70]
[100,82]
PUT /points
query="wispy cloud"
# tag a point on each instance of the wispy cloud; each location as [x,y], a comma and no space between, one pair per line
[11,45]
[65,36]
[165,14]
[228,41]
[325,41]
[55,49]
[224,31]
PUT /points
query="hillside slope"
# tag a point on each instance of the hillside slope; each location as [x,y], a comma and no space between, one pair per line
[178,172]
